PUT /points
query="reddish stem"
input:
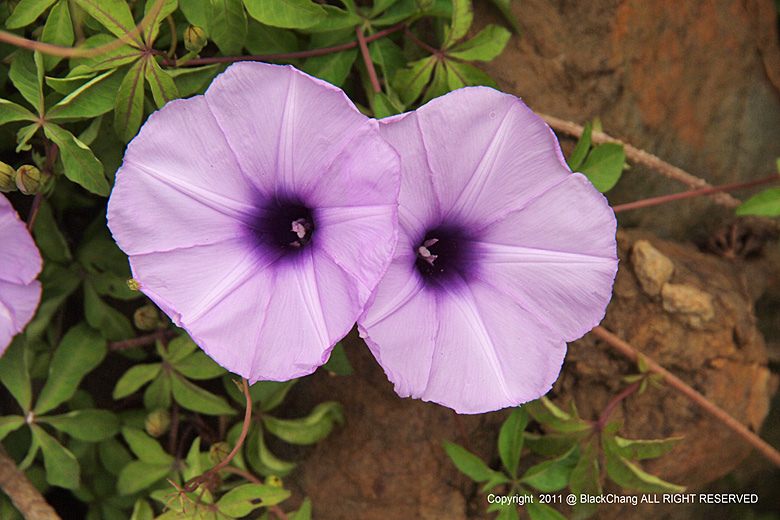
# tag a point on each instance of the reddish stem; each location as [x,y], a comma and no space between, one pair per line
[142,341]
[692,193]
[288,55]
[602,422]
[367,60]
[415,39]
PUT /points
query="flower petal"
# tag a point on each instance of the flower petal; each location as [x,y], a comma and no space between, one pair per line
[18,303]
[179,185]
[285,126]
[510,154]
[559,263]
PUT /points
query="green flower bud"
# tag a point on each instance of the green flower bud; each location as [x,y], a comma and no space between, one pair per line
[30,180]
[157,422]
[7,178]
[194,38]
[273,480]
[146,318]
[219,452]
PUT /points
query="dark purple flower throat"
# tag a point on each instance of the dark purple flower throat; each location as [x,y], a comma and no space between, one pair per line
[442,253]
[285,225]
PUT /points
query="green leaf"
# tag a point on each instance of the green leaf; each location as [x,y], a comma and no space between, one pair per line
[24,135]
[26,11]
[604,165]
[462,16]
[264,39]
[129,108]
[468,75]
[58,30]
[307,430]
[634,450]
[304,513]
[23,73]
[85,425]
[260,457]
[629,475]
[58,283]
[398,12]
[242,500]
[95,97]
[545,411]
[382,106]
[584,479]
[135,378]
[178,349]
[111,323]
[166,8]
[158,394]
[553,443]
[106,265]
[10,423]
[505,7]
[229,25]
[539,511]
[48,236]
[110,59]
[198,365]
[468,463]
[195,398]
[288,14]
[410,82]
[552,475]
[146,448]
[198,12]
[338,363]
[113,455]
[485,46]
[62,468]
[80,351]
[142,510]
[581,150]
[10,111]
[139,474]
[336,19]
[192,80]
[114,15]
[333,67]
[14,373]
[765,204]
[163,87]
[81,165]
[510,439]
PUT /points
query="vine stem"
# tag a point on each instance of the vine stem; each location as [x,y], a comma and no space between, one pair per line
[599,426]
[73,52]
[142,340]
[693,193]
[678,384]
[367,60]
[22,493]
[193,483]
[642,157]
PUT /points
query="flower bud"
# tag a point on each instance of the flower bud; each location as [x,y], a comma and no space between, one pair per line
[146,318]
[7,178]
[30,180]
[194,38]
[157,422]
[219,451]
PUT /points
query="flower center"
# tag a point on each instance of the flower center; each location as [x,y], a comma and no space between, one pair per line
[441,254]
[284,225]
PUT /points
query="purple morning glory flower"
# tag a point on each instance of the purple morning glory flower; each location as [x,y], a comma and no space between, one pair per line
[504,255]
[259,216]
[20,263]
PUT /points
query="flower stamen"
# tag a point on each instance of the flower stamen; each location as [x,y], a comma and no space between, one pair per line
[301,228]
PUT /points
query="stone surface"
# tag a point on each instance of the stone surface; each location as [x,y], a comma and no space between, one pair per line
[693,305]
[651,268]
[696,82]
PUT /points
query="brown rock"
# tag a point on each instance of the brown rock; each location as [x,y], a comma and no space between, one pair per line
[651,268]
[691,303]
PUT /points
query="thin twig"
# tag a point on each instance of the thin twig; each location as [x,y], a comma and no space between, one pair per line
[142,341]
[642,157]
[693,193]
[22,493]
[678,384]
[599,425]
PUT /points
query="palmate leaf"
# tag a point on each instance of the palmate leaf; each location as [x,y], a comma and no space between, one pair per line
[48,237]
[288,14]
[765,204]
[23,73]
[584,478]
[81,165]
[164,9]
[463,74]
[259,456]
[135,378]
[58,30]
[163,87]
[485,46]
[462,16]
[142,510]
[581,149]
[158,393]
[108,60]
[242,500]
[510,439]
[506,10]
[10,423]
[333,67]
[198,365]
[645,449]
[112,324]
[229,26]
[146,448]
[129,108]
[114,15]
[139,474]
[85,425]
[195,398]
[410,82]
[307,430]
[14,373]
[80,351]
[304,513]
[62,467]
[26,11]
[552,475]
[539,511]
[95,97]
[604,165]
[631,476]
[468,463]
[10,111]
[58,283]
